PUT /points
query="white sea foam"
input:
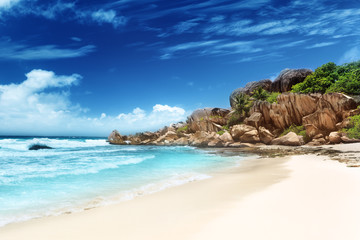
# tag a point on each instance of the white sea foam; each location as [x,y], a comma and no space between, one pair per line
[24,144]
[175,180]
[16,172]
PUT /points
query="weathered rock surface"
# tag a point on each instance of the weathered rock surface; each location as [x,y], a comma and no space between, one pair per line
[245,133]
[250,87]
[207,119]
[265,135]
[318,113]
[288,78]
[116,138]
[256,120]
[290,139]
[226,137]
[335,137]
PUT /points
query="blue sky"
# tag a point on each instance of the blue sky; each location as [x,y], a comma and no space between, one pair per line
[87,67]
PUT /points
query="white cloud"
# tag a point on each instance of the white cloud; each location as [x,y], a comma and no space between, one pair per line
[319,45]
[350,56]
[102,16]
[6,4]
[10,50]
[41,105]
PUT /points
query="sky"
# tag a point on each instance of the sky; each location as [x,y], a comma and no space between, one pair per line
[84,68]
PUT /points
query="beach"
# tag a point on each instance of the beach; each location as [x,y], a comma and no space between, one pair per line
[293,197]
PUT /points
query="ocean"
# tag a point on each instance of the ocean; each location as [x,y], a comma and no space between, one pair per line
[82,173]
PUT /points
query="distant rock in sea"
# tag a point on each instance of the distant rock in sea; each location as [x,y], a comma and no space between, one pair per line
[39,146]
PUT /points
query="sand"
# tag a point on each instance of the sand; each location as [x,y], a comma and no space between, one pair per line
[297,197]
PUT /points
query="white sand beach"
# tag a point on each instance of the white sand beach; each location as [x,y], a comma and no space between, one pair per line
[297,197]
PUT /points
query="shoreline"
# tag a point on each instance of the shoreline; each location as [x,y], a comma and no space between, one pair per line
[198,210]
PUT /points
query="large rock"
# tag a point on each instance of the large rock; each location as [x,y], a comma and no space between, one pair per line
[321,121]
[288,78]
[245,133]
[226,137]
[201,139]
[250,137]
[335,137]
[238,130]
[207,119]
[256,120]
[249,88]
[116,138]
[290,139]
[265,135]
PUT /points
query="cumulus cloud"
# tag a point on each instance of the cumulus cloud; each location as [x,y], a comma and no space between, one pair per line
[41,105]
[350,56]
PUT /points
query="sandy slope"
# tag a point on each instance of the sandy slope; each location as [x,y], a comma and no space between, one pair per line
[301,197]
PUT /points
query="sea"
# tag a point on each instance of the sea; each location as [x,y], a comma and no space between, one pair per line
[81,173]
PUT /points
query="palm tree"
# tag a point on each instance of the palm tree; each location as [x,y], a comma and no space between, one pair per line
[260,94]
[242,104]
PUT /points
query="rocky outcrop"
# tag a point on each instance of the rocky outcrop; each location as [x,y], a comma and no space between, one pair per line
[249,88]
[288,78]
[39,147]
[207,119]
[290,139]
[318,113]
[116,138]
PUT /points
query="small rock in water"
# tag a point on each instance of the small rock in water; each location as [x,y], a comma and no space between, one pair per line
[39,146]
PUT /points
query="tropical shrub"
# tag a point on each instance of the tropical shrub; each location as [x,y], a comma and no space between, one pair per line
[272,98]
[221,132]
[319,81]
[260,94]
[183,129]
[353,129]
[234,119]
[331,78]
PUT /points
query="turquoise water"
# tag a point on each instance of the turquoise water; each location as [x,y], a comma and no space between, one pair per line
[81,173]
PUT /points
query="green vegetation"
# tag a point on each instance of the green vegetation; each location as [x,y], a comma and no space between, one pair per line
[241,109]
[234,119]
[226,127]
[263,95]
[260,94]
[332,78]
[221,132]
[183,129]
[353,130]
[299,130]
[272,98]
[242,104]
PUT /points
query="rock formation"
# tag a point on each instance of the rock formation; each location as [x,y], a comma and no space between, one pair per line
[116,138]
[250,87]
[207,119]
[288,78]
[318,113]
[321,115]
